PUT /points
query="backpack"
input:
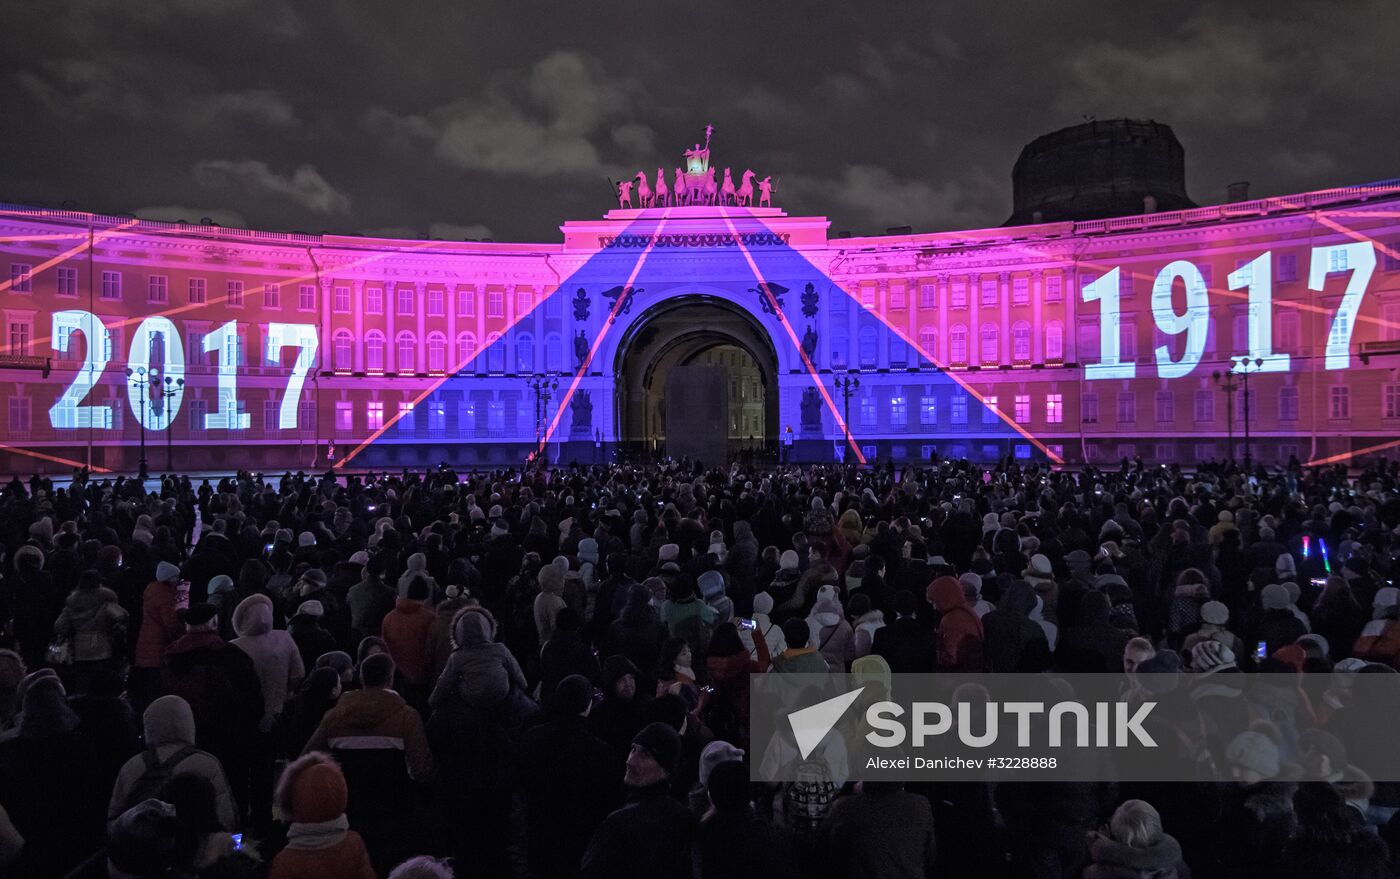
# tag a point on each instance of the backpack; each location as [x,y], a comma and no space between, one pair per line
[156,773]
[807,800]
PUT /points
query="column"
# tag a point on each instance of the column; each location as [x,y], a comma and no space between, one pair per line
[974,312]
[391,351]
[911,309]
[357,309]
[882,299]
[477,292]
[508,334]
[537,317]
[940,320]
[325,352]
[449,306]
[1069,284]
[420,307]
[853,310]
[1004,294]
[823,356]
[1037,317]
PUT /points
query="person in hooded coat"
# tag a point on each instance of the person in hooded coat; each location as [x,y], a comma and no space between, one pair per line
[38,600]
[563,772]
[160,627]
[320,844]
[567,653]
[169,731]
[95,625]
[481,674]
[549,601]
[618,716]
[1134,847]
[638,633]
[1275,624]
[278,665]
[907,643]
[830,632]
[763,627]
[1094,644]
[417,567]
[47,769]
[865,622]
[1013,641]
[725,710]
[959,635]
[405,630]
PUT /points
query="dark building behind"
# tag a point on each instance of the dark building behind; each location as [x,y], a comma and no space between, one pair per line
[1108,168]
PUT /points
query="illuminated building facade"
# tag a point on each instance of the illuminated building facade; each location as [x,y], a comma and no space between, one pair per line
[289,351]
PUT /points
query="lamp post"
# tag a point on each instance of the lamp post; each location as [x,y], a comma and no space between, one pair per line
[1243,365]
[173,386]
[141,378]
[544,387]
[1229,386]
[846,386]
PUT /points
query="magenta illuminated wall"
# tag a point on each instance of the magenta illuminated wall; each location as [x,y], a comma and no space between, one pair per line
[1070,341]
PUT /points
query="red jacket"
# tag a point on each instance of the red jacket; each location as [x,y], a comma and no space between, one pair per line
[347,859]
[959,628]
[405,629]
[160,625]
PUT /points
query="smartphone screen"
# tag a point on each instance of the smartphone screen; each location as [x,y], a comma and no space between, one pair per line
[237,841]
[182,595]
[1261,650]
[746,624]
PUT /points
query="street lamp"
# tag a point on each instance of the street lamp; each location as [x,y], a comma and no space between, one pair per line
[173,386]
[544,387]
[141,378]
[846,386]
[1229,386]
[1243,365]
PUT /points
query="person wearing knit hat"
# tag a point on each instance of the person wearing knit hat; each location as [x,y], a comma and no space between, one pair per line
[1277,625]
[1252,757]
[653,833]
[1208,657]
[161,626]
[668,552]
[168,728]
[143,841]
[313,794]
[711,584]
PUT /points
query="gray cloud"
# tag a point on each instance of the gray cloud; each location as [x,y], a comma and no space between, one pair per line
[305,186]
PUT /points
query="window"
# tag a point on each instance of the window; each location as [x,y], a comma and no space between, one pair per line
[554,353]
[1088,341]
[868,354]
[1166,407]
[928,295]
[959,409]
[272,295]
[1337,262]
[495,354]
[1240,330]
[199,409]
[1390,321]
[989,410]
[1287,338]
[868,416]
[1089,408]
[67,282]
[1020,291]
[406,347]
[958,294]
[1207,273]
[21,332]
[1127,407]
[1252,408]
[1390,261]
[1288,403]
[340,300]
[524,299]
[198,292]
[405,422]
[554,304]
[234,294]
[1023,408]
[272,416]
[838,350]
[466,415]
[437,417]
[20,423]
[991,344]
[306,297]
[1341,399]
[112,285]
[1125,283]
[1054,408]
[374,351]
[1021,342]
[524,353]
[899,411]
[466,349]
[989,291]
[957,345]
[374,300]
[466,303]
[1054,342]
[1392,401]
[899,352]
[1127,339]
[495,303]
[374,415]
[66,345]
[1054,288]
[1287,267]
[1205,406]
[435,308]
[21,278]
[344,416]
[157,289]
[496,416]
[437,353]
[342,351]
[867,296]
[899,296]
[404,298]
[928,410]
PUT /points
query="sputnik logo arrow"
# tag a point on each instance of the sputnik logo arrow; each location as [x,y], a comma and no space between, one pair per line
[811,724]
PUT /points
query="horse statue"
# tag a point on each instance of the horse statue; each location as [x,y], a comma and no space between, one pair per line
[710,194]
[644,198]
[662,193]
[726,189]
[624,194]
[744,197]
[679,195]
[765,192]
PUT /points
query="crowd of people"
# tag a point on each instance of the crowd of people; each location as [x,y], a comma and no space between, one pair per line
[545,673]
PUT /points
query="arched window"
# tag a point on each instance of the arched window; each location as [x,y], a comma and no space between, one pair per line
[957,344]
[899,352]
[406,347]
[437,353]
[466,350]
[495,353]
[374,351]
[554,353]
[1054,341]
[344,348]
[524,353]
[839,350]
[1021,342]
[928,344]
[868,353]
[991,345]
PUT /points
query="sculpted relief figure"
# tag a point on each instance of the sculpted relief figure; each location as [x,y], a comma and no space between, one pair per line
[582,408]
[624,194]
[809,343]
[580,349]
[765,192]
[811,410]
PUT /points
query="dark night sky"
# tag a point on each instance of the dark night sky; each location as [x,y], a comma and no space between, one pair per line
[465,119]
